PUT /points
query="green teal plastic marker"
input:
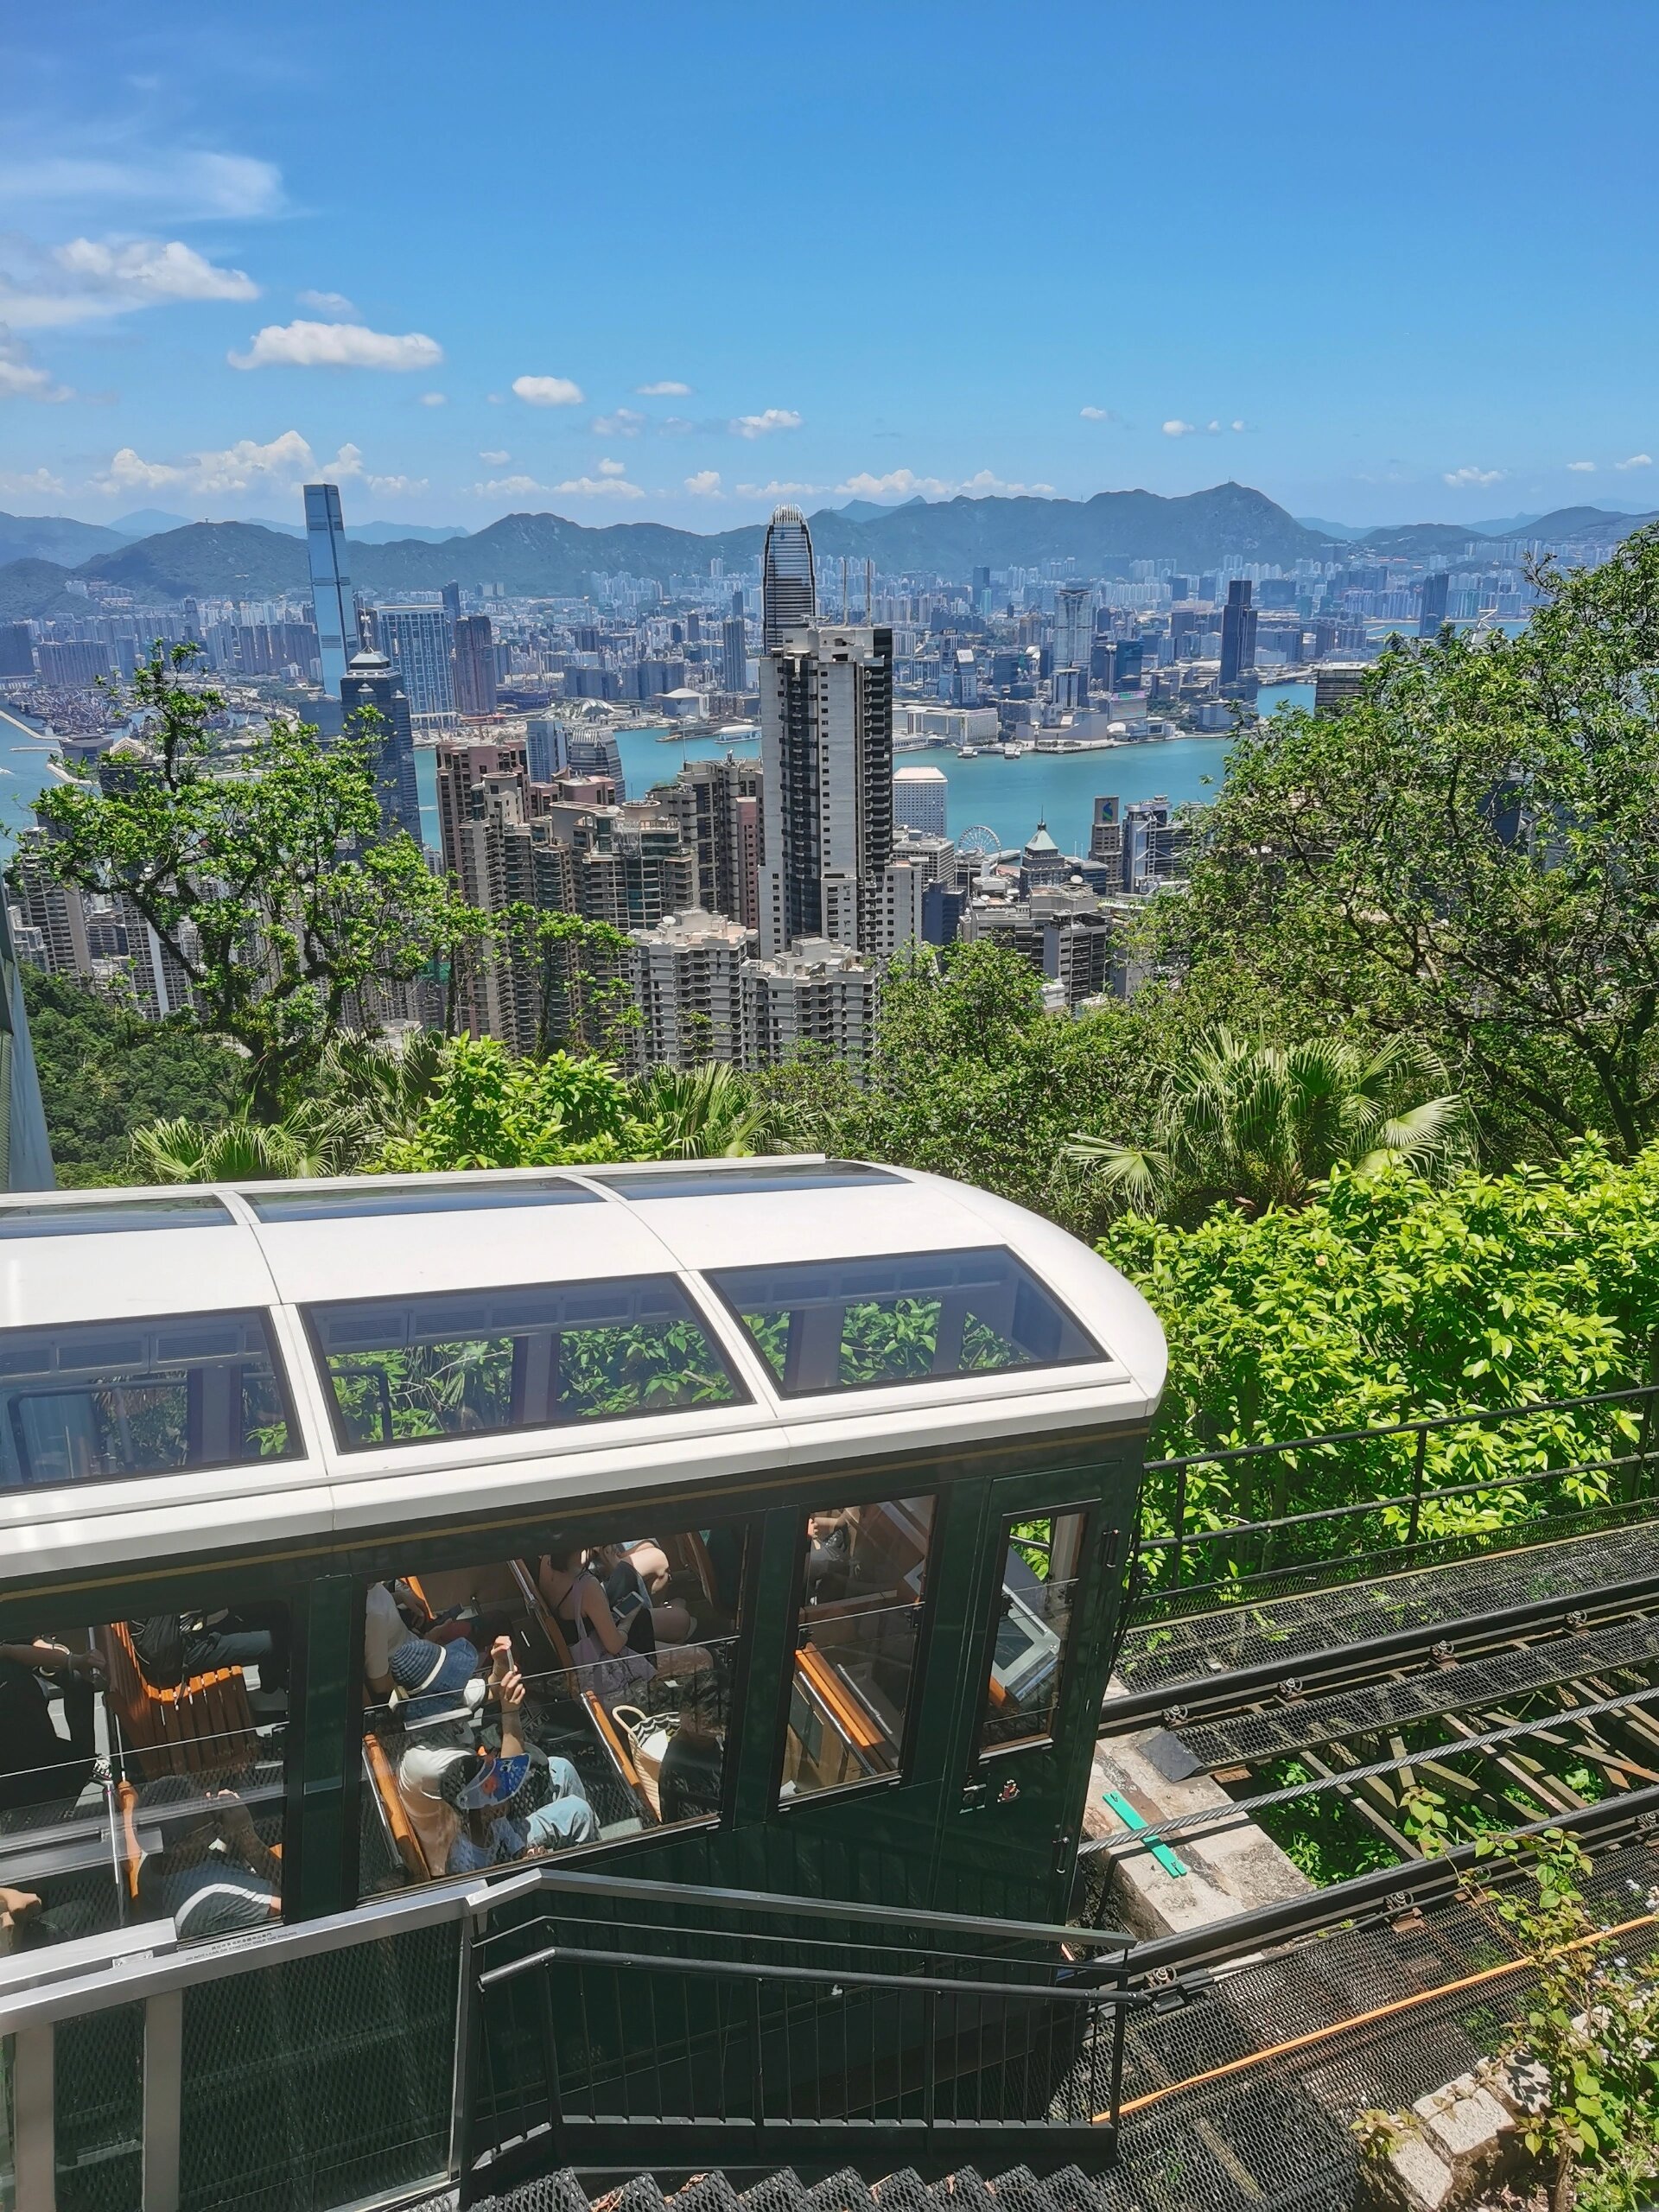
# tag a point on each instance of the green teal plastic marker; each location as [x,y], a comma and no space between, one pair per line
[1125,1813]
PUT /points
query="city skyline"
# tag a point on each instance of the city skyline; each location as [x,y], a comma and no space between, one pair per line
[1322,267]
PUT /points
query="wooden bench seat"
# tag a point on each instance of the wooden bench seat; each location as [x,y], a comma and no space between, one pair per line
[205,1727]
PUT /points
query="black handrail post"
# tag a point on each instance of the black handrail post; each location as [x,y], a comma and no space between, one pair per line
[1120,2017]
[930,2023]
[1418,1466]
[1180,1525]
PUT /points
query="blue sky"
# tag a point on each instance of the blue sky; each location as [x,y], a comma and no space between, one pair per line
[661,261]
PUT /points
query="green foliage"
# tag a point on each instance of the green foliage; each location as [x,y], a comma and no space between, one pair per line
[1387,1297]
[1469,853]
[102,1070]
[701,1113]
[487,1110]
[266,876]
[1259,1123]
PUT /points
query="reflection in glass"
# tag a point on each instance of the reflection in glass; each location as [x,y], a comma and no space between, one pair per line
[863,1588]
[1039,1582]
[856,1324]
[469,1362]
[95,1402]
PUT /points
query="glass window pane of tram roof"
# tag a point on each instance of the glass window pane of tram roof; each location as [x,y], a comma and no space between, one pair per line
[404,1371]
[101,1400]
[755,1176]
[861,1324]
[346,1201]
[96,1216]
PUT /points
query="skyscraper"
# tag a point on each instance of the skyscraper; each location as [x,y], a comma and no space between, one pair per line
[331,586]
[369,681]
[789,598]
[1431,613]
[1074,627]
[734,655]
[1238,633]
[826,748]
[452,601]
[475,666]
[918,797]
[416,641]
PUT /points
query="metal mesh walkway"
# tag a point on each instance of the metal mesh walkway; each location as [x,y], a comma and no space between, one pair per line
[1249,1738]
[1189,1649]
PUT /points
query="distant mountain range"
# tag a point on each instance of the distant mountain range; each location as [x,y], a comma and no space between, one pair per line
[530,554]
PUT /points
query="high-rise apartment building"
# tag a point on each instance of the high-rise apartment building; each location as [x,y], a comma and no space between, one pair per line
[1237,634]
[716,805]
[17,650]
[547,745]
[826,748]
[688,985]
[789,595]
[331,584]
[816,993]
[1432,612]
[369,681]
[474,651]
[418,643]
[734,654]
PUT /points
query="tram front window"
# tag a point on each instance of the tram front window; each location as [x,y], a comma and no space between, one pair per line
[141,1774]
[862,1587]
[1034,1624]
[532,1704]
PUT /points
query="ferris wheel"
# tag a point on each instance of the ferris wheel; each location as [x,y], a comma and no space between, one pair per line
[979,843]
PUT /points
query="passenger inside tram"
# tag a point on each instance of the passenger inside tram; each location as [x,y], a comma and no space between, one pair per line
[609,1669]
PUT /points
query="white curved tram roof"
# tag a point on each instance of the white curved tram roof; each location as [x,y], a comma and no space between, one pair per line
[279,1268]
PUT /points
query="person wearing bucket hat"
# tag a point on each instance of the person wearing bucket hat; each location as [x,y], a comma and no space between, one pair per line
[439,1694]
[430,1681]
[508,1805]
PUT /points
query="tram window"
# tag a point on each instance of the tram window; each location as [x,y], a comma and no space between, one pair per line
[98,1216]
[96,1402]
[761,1176]
[346,1201]
[141,1774]
[1033,1622]
[532,1705]
[457,1362]
[862,1587]
[859,1325]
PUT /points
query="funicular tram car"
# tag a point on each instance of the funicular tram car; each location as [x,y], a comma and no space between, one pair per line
[756,1523]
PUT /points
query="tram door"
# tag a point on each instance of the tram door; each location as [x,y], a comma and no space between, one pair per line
[1035,1686]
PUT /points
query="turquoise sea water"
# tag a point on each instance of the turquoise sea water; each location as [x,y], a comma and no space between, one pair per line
[1010,797]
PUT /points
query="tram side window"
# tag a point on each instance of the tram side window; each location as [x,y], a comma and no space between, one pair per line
[528,1706]
[1041,1558]
[97,1402]
[862,1590]
[141,1774]
[459,1362]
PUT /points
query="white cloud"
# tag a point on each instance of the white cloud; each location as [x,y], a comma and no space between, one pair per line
[1238,423]
[434,399]
[336,346]
[1100,415]
[905,484]
[777,491]
[705,484]
[397,487]
[1582,467]
[612,468]
[333,304]
[37,483]
[761,426]
[1635,461]
[598,487]
[625,422]
[88,278]
[666,390]
[548,391]
[21,375]
[985,485]
[1462,479]
[163,182]
[282,462]
[1176,428]
[495,458]
[507,487]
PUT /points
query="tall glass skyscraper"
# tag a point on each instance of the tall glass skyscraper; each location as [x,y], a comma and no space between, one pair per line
[419,642]
[789,597]
[369,681]
[331,586]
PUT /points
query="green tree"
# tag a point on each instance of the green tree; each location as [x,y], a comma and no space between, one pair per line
[1470,854]
[487,1110]
[103,1072]
[1261,1124]
[700,1113]
[265,874]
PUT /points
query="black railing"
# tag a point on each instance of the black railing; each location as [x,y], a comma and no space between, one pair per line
[1350,1503]
[835,2036]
